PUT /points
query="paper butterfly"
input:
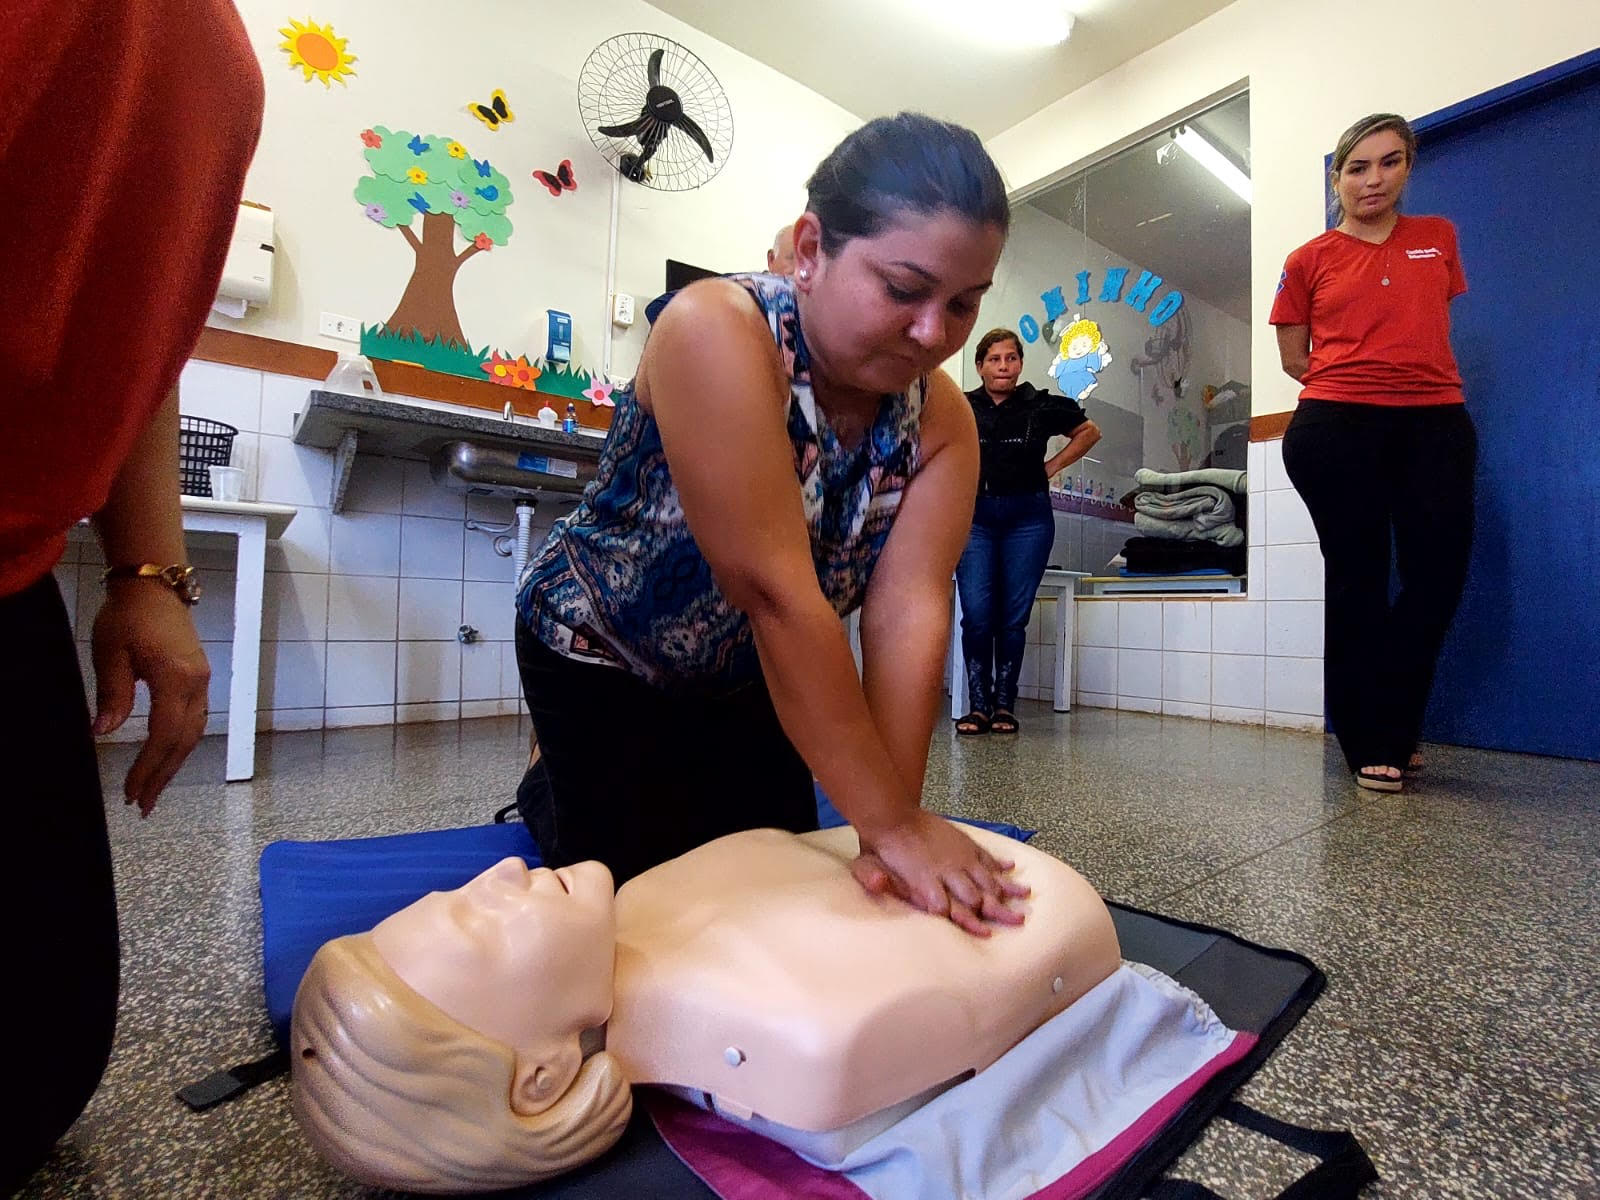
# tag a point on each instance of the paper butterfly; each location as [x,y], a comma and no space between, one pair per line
[495,113]
[562,181]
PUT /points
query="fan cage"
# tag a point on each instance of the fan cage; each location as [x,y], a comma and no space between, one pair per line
[611,91]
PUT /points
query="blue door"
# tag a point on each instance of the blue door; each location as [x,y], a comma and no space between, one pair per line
[1520,178]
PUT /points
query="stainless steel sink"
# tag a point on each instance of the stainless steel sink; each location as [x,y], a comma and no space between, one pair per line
[520,474]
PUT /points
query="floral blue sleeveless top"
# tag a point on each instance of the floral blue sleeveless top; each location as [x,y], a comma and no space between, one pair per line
[620,581]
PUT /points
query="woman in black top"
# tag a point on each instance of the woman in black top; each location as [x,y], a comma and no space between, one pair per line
[1012,526]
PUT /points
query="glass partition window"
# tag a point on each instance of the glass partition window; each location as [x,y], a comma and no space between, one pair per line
[1130,286]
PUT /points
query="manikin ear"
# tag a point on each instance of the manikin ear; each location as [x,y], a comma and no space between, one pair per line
[807,250]
[542,1078]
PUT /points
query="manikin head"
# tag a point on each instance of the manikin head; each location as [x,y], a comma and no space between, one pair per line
[780,257]
[440,1052]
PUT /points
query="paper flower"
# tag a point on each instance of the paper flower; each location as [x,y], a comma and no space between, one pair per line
[417,146]
[417,175]
[378,213]
[600,396]
[459,198]
[483,242]
[511,372]
[371,140]
[456,150]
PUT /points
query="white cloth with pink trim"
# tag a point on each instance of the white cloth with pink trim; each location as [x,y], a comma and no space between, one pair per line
[1052,1119]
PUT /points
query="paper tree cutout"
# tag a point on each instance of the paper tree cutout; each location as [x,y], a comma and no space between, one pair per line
[316,50]
[436,179]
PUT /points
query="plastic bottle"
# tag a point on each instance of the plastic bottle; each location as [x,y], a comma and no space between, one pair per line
[570,423]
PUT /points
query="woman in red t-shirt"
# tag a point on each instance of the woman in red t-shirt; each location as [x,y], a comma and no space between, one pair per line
[1380,448]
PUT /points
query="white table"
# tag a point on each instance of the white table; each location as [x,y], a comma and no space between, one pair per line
[251,525]
[1060,586]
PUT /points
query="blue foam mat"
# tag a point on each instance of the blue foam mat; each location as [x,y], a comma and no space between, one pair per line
[312,892]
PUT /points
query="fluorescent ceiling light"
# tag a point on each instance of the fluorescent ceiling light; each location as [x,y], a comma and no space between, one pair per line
[1016,23]
[1213,160]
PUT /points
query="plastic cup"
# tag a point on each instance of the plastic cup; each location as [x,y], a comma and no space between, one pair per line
[227,483]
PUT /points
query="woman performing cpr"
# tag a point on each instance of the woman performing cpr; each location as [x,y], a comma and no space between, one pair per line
[788,453]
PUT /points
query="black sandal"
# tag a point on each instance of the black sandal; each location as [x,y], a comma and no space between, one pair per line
[1373,781]
[1004,721]
[973,724]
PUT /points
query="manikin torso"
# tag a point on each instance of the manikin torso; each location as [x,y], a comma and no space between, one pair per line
[756,971]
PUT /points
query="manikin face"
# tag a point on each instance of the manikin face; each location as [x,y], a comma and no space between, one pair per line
[891,307]
[1372,178]
[523,957]
[1001,366]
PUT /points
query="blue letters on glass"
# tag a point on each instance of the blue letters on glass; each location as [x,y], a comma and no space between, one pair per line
[1143,289]
[1054,305]
[1028,328]
[1170,303]
[1111,290]
[1083,287]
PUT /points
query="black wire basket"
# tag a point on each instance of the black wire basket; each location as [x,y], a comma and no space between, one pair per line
[202,443]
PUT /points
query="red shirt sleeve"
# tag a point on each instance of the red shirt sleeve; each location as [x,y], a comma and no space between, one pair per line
[1458,276]
[1292,304]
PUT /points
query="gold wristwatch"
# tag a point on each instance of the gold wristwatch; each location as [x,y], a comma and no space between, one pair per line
[181,578]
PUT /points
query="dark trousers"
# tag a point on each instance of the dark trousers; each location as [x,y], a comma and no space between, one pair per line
[1385,482]
[58,1007]
[998,578]
[631,775]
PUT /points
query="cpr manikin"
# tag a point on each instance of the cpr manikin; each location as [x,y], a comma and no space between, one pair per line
[441,1052]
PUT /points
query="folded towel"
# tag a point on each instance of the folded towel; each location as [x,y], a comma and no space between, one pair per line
[1208,507]
[1232,481]
[1188,530]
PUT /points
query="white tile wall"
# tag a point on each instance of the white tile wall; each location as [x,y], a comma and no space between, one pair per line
[1237,627]
[1239,681]
[1294,685]
[1250,661]
[430,609]
[1186,677]
[1097,623]
[429,671]
[1139,673]
[1139,624]
[360,610]
[365,544]
[1186,625]
[431,547]
[1294,628]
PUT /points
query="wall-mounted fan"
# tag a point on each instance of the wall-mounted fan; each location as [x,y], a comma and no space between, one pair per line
[655,111]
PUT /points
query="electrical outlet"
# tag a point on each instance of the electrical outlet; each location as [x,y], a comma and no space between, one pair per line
[346,329]
[622,309]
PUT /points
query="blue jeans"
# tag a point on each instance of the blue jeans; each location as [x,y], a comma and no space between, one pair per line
[998,578]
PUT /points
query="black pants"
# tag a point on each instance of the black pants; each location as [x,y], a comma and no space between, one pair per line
[58,1007]
[631,775]
[1380,480]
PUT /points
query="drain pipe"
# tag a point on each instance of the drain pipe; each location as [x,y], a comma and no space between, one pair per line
[524,545]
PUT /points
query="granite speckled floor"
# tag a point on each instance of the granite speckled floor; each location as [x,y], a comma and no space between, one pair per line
[1459,926]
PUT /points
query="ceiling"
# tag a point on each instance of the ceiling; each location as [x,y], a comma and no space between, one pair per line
[919,61]
[1203,245]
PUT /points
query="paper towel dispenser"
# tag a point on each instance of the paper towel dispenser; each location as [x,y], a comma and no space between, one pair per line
[247,276]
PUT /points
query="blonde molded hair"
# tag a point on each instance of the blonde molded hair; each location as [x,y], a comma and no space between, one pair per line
[1082,327]
[394,1093]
